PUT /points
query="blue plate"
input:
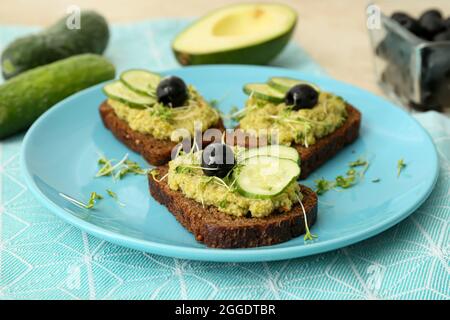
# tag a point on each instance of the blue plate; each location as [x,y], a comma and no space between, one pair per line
[61,149]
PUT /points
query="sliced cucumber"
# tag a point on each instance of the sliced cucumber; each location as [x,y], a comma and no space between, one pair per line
[264,177]
[283,84]
[118,91]
[141,81]
[264,92]
[277,151]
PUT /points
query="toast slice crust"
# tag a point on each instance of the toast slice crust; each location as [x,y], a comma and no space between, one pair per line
[326,147]
[155,151]
[217,229]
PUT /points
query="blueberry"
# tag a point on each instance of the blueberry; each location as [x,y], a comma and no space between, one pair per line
[301,96]
[443,36]
[403,19]
[435,13]
[434,79]
[447,23]
[217,160]
[431,21]
[172,91]
[408,23]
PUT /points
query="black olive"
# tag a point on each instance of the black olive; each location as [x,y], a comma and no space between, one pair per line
[217,160]
[172,91]
[443,36]
[409,23]
[301,96]
[431,21]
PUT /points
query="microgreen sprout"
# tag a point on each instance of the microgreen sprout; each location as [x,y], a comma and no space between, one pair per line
[400,166]
[345,182]
[90,205]
[187,169]
[120,169]
[154,173]
[308,235]
[357,163]
[341,181]
[323,185]
[72,200]
[285,118]
[107,168]
[130,167]
[113,195]
[93,200]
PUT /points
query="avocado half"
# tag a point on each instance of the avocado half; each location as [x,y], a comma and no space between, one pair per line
[252,33]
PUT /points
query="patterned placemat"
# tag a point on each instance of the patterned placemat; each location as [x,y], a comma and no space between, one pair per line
[42,257]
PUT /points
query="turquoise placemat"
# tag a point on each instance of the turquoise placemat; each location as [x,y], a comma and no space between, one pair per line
[42,257]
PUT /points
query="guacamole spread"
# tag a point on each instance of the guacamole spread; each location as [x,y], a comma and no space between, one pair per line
[186,175]
[161,121]
[303,126]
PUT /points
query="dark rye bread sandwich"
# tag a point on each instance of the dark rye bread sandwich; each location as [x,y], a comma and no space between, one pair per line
[284,103]
[154,151]
[217,229]
[143,110]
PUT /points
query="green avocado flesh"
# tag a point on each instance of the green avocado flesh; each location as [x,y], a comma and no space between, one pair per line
[186,175]
[163,122]
[289,126]
[241,33]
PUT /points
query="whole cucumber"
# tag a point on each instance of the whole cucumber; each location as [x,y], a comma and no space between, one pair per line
[25,97]
[55,43]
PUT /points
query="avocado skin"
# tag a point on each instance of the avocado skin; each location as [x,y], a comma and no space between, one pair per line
[55,43]
[25,97]
[259,54]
